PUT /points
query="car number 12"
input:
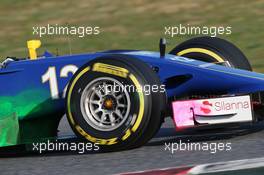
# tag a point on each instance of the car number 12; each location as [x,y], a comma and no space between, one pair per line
[51,77]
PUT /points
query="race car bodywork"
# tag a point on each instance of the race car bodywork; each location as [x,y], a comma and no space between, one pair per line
[32,92]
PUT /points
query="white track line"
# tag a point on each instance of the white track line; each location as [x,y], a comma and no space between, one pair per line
[242,164]
[228,166]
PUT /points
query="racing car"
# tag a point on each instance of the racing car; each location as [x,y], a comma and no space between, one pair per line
[119,98]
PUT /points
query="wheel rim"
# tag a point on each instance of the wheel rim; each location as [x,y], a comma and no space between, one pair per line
[105,104]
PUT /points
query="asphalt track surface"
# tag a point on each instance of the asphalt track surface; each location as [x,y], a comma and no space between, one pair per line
[246,142]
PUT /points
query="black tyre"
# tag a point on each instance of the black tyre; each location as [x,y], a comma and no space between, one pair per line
[212,49]
[101,108]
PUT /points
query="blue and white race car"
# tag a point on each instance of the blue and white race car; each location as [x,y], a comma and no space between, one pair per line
[119,98]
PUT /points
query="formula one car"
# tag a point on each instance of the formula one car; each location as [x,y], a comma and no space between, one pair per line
[119,98]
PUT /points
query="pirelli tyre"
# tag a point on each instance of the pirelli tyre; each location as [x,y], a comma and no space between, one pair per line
[108,102]
[213,49]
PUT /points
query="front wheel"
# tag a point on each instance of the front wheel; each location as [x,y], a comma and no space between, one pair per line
[108,102]
[213,50]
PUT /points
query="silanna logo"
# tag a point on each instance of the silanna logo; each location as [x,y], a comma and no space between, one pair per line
[207,106]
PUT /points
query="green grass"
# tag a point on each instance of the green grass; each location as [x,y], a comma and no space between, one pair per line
[136,24]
